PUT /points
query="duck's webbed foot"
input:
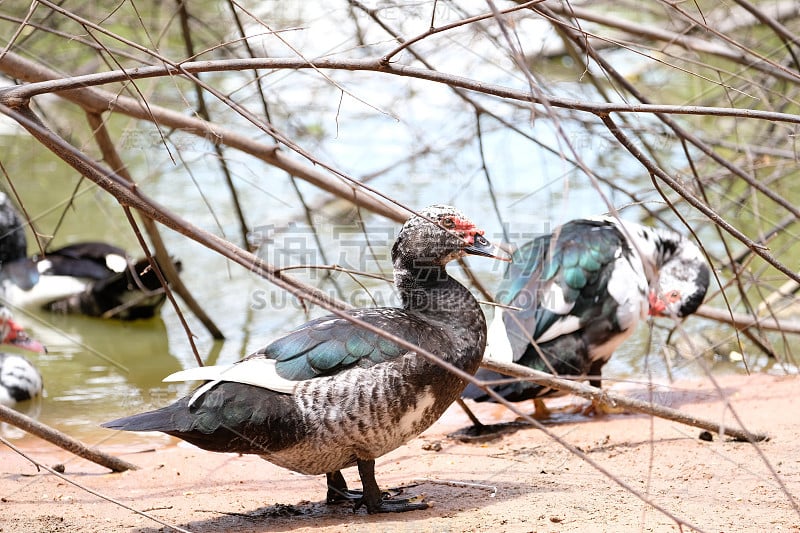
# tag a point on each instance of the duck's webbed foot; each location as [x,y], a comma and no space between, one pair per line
[540,410]
[338,491]
[378,502]
[600,408]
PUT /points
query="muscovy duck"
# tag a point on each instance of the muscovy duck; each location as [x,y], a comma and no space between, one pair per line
[20,380]
[332,394]
[581,291]
[89,278]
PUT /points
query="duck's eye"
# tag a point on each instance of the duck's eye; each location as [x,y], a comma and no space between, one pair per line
[674,296]
[448,223]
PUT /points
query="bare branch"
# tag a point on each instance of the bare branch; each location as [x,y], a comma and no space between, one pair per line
[24,92]
[615,400]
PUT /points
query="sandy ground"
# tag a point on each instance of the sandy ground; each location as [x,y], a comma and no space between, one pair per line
[523,481]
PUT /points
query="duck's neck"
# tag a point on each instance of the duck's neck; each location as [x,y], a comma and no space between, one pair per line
[430,291]
[655,246]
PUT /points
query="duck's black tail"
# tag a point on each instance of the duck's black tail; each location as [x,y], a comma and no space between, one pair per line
[169,419]
[237,428]
[227,418]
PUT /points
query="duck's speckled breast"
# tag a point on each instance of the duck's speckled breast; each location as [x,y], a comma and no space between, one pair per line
[365,413]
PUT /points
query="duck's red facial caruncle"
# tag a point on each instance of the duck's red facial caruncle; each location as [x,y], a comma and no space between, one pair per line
[476,243]
[462,227]
[661,303]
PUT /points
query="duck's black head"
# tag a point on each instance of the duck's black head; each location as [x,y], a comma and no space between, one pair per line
[438,235]
[682,283]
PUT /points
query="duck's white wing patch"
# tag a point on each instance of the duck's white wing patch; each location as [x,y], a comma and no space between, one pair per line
[259,372]
[44,265]
[200,373]
[202,390]
[552,298]
[116,262]
[498,347]
[563,326]
[628,286]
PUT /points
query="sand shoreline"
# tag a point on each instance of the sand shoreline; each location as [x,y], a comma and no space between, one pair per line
[521,482]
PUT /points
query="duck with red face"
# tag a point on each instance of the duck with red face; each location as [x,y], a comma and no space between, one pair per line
[579,292]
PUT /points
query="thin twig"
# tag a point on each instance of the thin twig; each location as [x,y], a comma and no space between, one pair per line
[205,114]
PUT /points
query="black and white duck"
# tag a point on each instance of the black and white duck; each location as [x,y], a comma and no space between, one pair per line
[331,394]
[580,292]
[20,380]
[89,278]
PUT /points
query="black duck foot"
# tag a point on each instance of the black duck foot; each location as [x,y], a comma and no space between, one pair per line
[339,493]
[374,500]
[354,495]
[480,432]
[342,496]
[388,505]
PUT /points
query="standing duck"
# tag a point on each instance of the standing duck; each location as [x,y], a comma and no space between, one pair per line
[19,378]
[88,278]
[331,394]
[581,291]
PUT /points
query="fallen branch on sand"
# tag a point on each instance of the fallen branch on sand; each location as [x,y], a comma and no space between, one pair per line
[616,400]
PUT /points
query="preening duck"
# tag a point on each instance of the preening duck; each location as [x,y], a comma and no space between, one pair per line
[89,278]
[331,394]
[20,380]
[581,291]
